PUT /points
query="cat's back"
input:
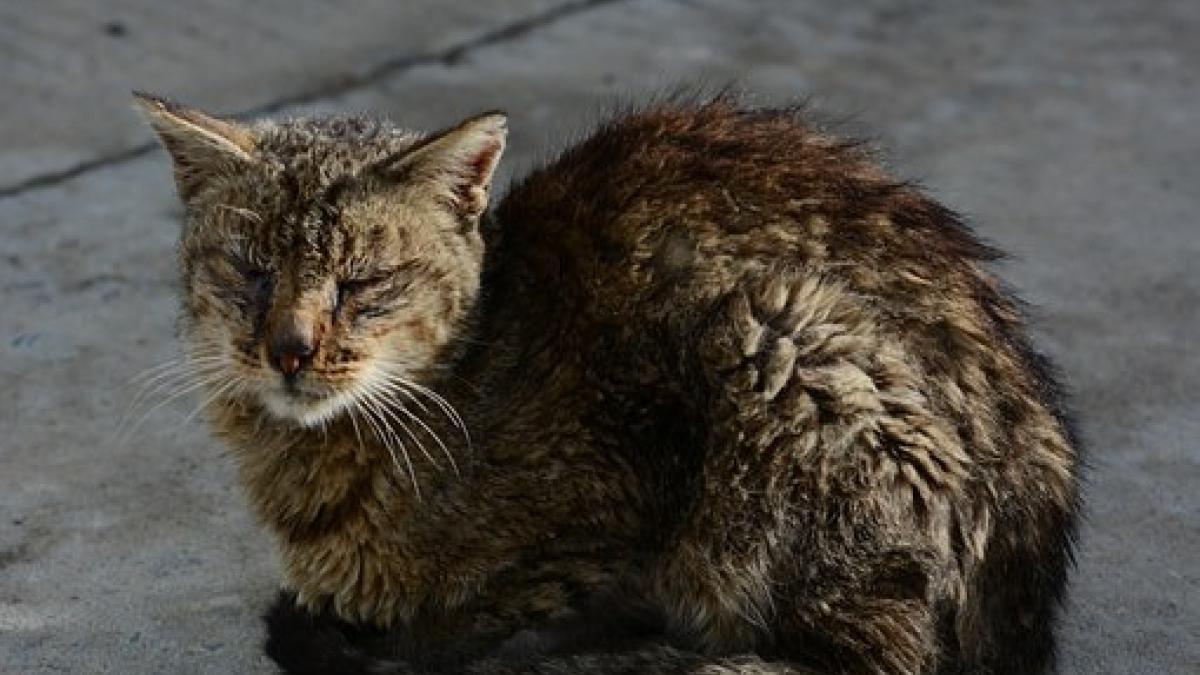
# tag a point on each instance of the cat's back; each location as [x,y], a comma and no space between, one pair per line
[662,217]
[710,173]
[678,202]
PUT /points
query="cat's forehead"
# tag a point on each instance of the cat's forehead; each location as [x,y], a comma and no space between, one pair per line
[319,151]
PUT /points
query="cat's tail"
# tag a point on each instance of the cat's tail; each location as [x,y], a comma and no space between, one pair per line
[303,644]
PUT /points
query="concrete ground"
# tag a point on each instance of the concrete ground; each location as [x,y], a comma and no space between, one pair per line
[1069,132]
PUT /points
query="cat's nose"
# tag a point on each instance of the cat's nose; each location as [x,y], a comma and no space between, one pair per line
[291,358]
[292,344]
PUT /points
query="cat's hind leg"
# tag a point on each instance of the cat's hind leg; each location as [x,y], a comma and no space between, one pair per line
[829,491]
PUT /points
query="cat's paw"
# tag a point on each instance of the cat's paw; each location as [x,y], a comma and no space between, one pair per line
[303,643]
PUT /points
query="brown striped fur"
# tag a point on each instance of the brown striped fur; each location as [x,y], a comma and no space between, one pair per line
[737,401]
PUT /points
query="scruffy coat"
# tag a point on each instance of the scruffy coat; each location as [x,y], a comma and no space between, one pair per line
[737,402]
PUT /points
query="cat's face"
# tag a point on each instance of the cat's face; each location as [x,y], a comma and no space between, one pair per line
[325,262]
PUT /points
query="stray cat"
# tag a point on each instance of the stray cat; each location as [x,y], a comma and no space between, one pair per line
[708,393]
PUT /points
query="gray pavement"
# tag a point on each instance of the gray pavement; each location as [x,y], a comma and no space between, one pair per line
[1069,132]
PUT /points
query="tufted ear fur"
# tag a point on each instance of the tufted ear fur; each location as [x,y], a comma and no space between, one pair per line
[459,162]
[200,145]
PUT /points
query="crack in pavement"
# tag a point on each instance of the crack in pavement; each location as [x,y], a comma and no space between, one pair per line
[449,56]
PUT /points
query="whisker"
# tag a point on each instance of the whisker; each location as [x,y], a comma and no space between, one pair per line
[381,408]
[369,417]
[396,387]
[192,351]
[378,424]
[207,353]
[353,407]
[163,383]
[393,437]
[447,409]
[125,434]
[181,371]
[196,362]
[384,405]
[444,404]
[230,385]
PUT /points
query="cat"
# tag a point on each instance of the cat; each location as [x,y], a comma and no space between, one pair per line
[710,392]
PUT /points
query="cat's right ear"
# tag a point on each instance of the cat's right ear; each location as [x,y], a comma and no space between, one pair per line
[200,145]
[458,163]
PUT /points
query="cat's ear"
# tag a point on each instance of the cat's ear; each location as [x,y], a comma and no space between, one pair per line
[458,163]
[200,145]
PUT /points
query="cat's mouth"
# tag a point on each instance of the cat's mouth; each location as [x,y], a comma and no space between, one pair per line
[302,405]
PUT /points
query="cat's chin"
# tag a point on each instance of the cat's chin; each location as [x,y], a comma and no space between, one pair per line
[306,412]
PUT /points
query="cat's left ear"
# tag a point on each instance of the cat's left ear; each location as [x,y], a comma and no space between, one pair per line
[459,162]
[201,146]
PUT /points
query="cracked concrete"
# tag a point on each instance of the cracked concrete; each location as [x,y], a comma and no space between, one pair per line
[1066,131]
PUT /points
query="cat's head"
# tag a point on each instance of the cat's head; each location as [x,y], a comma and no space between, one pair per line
[325,260]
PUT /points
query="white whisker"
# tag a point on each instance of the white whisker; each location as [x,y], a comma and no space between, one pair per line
[392,414]
[189,358]
[447,409]
[162,387]
[350,412]
[372,413]
[124,434]
[184,371]
[200,361]
[394,387]
[230,385]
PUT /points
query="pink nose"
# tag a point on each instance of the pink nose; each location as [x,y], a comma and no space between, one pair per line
[291,343]
[288,363]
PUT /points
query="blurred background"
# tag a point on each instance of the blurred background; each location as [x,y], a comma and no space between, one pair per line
[1066,131]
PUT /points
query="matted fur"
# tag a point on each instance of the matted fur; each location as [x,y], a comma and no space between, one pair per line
[737,402]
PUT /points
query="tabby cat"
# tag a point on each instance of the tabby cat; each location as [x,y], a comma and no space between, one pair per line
[709,393]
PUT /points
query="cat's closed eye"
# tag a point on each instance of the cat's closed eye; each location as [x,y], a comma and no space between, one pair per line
[251,272]
[258,278]
[244,282]
[372,295]
[349,287]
